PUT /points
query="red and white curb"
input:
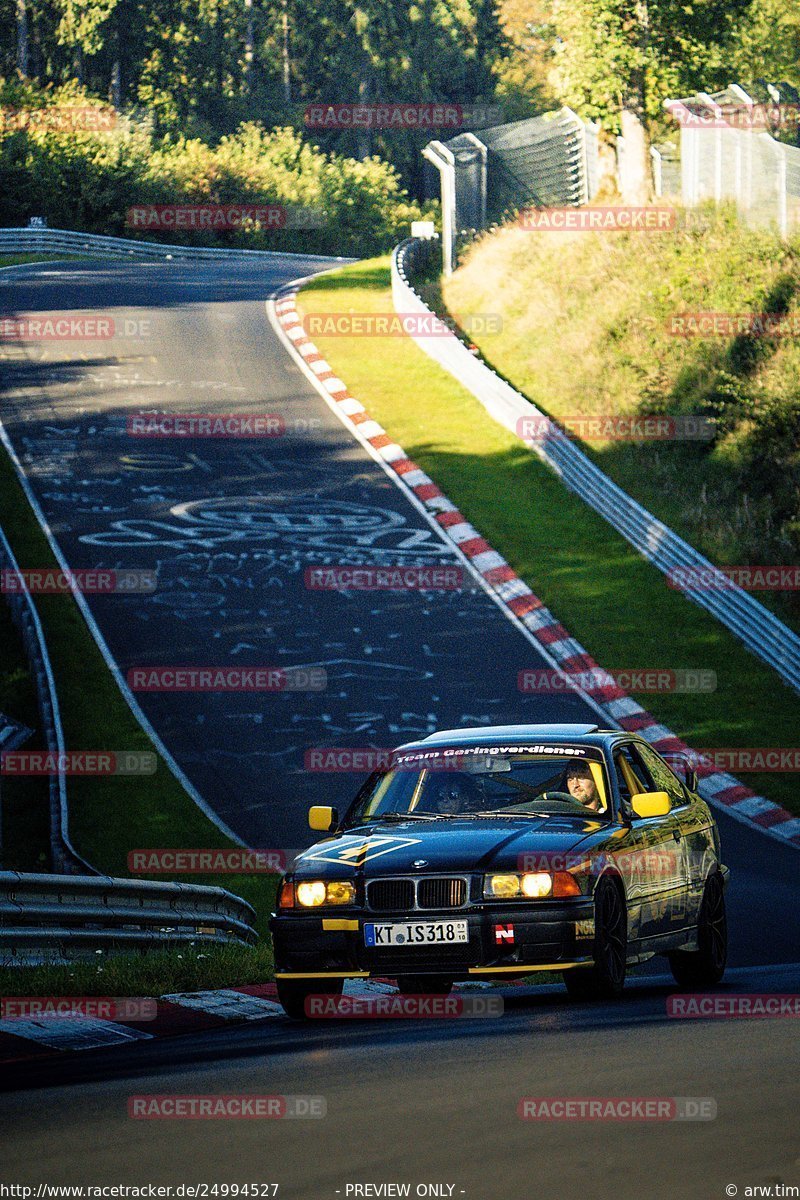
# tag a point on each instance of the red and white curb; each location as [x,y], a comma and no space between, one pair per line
[177,1013]
[506,587]
[189,1012]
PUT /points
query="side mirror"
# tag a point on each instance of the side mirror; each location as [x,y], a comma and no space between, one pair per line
[322,818]
[690,779]
[651,804]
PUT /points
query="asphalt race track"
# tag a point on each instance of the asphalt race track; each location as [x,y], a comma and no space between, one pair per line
[436,1101]
[231,528]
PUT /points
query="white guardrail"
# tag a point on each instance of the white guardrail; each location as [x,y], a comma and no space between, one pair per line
[26,618]
[66,916]
[45,918]
[41,240]
[759,629]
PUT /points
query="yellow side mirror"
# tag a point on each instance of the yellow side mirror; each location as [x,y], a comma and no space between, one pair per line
[322,818]
[650,804]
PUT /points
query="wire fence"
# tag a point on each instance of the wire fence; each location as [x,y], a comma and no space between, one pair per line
[730,151]
[545,161]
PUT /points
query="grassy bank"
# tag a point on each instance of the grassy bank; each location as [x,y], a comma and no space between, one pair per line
[588,328]
[614,602]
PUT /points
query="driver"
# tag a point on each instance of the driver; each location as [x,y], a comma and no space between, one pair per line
[581,786]
[454,796]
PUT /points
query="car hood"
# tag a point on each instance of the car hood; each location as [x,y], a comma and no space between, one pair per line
[454,845]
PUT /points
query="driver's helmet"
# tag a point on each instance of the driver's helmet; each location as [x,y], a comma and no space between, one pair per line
[452,794]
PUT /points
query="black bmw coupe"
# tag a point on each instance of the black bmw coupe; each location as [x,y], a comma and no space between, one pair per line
[498,852]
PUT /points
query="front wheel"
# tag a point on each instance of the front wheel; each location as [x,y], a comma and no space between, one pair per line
[606,979]
[293,994]
[705,966]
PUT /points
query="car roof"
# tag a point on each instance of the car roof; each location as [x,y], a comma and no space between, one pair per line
[488,735]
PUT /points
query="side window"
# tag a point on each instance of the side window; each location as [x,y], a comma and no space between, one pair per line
[661,775]
[631,778]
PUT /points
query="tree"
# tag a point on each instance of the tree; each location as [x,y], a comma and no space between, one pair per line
[615,61]
[22,37]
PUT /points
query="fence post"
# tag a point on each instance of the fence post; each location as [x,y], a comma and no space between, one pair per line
[658,181]
[484,156]
[780,183]
[443,160]
[584,158]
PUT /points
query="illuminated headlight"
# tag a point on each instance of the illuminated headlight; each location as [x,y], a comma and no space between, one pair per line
[536,885]
[313,893]
[518,887]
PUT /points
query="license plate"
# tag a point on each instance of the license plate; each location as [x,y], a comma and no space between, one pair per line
[416,933]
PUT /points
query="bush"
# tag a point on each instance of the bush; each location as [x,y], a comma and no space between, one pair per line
[88,180]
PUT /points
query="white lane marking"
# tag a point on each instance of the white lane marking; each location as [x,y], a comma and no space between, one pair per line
[72,1033]
[226,1003]
[110,661]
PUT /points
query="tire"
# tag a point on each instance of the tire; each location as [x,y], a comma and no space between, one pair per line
[424,985]
[293,993]
[606,979]
[705,966]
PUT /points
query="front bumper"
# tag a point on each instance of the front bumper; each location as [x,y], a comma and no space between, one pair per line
[546,935]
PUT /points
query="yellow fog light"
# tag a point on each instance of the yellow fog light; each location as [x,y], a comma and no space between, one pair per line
[536,885]
[340,893]
[503,886]
[311,893]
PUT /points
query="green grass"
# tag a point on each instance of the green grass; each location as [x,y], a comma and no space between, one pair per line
[112,815]
[15,260]
[608,597]
[586,331]
[154,974]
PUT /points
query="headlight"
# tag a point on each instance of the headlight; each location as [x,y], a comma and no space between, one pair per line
[518,887]
[537,885]
[340,893]
[502,886]
[313,893]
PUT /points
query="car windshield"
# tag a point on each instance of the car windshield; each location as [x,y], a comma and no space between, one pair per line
[475,784]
